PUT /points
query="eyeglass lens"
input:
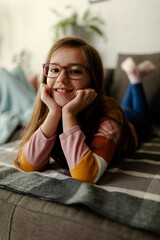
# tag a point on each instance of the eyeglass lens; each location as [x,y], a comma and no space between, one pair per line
[73,71]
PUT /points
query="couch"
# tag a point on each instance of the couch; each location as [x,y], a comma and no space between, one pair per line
[124,204]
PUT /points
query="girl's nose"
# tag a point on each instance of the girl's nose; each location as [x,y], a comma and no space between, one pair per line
[62,78]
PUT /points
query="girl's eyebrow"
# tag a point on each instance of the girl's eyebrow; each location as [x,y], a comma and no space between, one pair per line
[68,64]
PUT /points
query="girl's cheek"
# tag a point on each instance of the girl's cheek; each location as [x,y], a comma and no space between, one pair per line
[50,82]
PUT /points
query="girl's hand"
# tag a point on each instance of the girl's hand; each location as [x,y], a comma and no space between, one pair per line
[84,97]
[49,126]
[48,100]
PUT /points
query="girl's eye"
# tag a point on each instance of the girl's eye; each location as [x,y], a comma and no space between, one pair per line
[55,70]
[76,72]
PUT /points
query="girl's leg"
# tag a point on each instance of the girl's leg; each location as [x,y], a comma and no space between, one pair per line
[127,100]
[135,96]
[135,104]
[140,104]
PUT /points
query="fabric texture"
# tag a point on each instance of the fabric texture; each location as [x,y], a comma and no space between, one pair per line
[16,101]
[41,219]
[127,193]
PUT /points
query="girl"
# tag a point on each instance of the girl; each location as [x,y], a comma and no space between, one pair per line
[73,121]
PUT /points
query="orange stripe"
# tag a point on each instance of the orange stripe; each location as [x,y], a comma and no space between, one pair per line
[26,166]
[86,169]
[103,147]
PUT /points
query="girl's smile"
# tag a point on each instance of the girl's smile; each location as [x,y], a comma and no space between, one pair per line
[62,88]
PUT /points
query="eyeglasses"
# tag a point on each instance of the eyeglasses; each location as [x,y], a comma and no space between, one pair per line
[73,71]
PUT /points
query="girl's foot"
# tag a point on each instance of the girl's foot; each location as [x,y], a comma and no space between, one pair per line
[146,67]
[130,68]
[136,72]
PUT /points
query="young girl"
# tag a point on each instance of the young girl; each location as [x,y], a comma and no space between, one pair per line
[73,121]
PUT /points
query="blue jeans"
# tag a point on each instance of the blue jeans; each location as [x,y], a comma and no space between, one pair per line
[135,108]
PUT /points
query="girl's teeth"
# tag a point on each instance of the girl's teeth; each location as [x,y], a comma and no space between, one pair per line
[63,90]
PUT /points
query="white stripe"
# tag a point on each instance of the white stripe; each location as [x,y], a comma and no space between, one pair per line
[102,165]
[7,149]
[11,165]
[134,173]
[7,164]
[141,160]
[147,151]
[150,144]
[53,174]
[134,193]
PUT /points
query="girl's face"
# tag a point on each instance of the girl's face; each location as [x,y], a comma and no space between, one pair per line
[62,88]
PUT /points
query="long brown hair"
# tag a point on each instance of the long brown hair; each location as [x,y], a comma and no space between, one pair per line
[89,119]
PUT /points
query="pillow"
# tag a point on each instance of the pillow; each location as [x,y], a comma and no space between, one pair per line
[151,83]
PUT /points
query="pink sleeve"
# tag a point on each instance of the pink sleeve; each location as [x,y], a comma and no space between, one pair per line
[89,163]
[37,150]
[73,145]
[73,141]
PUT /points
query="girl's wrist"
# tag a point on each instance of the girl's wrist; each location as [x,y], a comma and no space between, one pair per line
[55,114]
[69,120]
[68,113]
[49,126]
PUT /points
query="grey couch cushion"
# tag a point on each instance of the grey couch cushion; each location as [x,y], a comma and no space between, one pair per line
[151,83]
[24,217]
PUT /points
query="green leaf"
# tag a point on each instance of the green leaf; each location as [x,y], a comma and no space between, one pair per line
[88,21]
[97,19]
[96,29]
[86,15]
[69,6]
[55,12]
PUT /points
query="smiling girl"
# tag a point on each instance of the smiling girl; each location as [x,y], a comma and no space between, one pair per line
[73,121]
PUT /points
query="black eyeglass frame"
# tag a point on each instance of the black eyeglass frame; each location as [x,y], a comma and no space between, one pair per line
[64,67]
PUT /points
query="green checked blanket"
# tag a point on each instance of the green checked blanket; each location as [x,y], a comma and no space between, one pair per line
[129,191]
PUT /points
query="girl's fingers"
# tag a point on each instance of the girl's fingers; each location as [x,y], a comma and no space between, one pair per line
[84,97]
[87,94]
[45,88]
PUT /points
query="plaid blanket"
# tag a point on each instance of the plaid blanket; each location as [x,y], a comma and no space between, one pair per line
[129,191]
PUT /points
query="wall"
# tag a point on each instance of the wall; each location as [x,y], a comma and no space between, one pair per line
[132,26]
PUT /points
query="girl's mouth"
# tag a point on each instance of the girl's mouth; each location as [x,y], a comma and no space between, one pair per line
[63,90]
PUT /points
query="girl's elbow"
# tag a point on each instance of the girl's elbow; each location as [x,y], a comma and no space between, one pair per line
[27,169]
[31,168]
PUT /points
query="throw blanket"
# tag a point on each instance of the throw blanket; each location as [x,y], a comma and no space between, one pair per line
[16,100]
[129,191]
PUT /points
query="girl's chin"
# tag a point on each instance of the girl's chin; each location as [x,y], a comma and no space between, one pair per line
[61,99]
[62,102]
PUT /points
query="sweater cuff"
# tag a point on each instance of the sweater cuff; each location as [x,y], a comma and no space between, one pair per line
[42,136]
[70,132]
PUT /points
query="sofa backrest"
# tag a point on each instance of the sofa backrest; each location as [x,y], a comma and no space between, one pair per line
[118,86]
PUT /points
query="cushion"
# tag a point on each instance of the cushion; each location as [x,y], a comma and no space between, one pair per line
[151,83]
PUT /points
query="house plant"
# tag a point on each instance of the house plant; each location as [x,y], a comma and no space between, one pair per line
[76,25]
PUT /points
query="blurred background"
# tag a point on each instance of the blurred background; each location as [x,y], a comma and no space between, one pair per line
[27,26]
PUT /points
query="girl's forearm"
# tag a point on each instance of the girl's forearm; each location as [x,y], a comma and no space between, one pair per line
[49,126]
[36,152]
[68,121]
